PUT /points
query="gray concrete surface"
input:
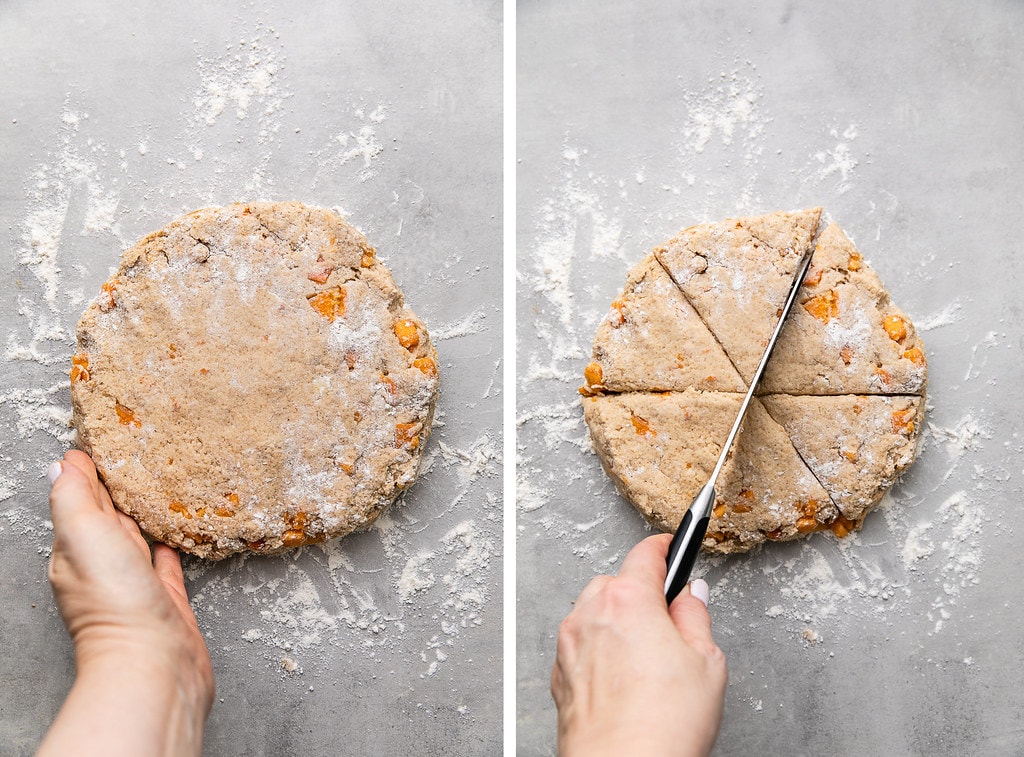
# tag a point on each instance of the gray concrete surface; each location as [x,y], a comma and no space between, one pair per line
[906,121]
[115,119]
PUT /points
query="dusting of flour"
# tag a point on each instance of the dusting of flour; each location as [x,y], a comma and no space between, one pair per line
[413,588]
[924,549]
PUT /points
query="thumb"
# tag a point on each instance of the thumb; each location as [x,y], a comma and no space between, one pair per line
[71,495]
[691,617]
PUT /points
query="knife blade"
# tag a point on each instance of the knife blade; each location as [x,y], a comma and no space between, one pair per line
[686,543]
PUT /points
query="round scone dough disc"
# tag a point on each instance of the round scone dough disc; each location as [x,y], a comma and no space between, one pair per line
[251,380]
[839,410]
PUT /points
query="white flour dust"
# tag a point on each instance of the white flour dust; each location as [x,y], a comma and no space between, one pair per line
[728,109]
[926,545]
[417,584]
[838,163]
[244,77]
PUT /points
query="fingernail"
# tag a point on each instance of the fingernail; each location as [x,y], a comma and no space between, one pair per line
[53,473]
[700,589]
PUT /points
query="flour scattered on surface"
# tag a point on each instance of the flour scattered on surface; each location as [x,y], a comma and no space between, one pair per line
[838,162]
[245,77]
[424,578]
[926,547]
[416,576]
[728,109]
[950,314]
[471,324]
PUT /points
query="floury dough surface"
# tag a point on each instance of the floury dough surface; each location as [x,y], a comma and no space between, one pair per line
[839,410]
[251,380]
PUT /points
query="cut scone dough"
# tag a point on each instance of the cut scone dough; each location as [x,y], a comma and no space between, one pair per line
[841,403]
[855,445]
[844,335]
[653,340]
[251,380]
[661,448]
[738,273]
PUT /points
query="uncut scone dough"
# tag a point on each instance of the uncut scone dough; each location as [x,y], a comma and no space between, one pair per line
[839,410]
[251,380]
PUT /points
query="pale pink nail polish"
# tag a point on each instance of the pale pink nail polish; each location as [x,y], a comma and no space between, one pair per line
[54,471]
[700,589]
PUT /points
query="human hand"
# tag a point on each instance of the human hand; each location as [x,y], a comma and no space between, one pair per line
[633,676]
[142,664]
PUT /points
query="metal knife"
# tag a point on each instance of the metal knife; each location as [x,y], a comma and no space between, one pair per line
[682,552]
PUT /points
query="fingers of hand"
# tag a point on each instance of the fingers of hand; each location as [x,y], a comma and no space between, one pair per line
[71,495]
[167,564]
[82,462]
[592,589]
[693,622]
[646,561]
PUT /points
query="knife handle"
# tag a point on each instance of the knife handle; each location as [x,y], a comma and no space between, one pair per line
[682,552]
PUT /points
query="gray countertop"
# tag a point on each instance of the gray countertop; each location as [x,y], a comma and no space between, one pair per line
[113,122]
[906,122]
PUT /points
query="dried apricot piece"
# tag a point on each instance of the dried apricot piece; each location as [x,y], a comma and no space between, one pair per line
[294,537]
[809,508]
[126,416]
[179,508]
[719,511]
[425,365]
[407,435]
[408,333]
[367,259]
[642,426]
[227,511]
[813,277]
[895,327]
[846,353]
[79,367]
[329,303]
[321,271]
[824,307]
[108,288]
[915,356]
[842,525]
[594,375]
[903,421]
[806,524]
[855,261]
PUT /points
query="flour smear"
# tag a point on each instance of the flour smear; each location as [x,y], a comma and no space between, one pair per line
[415,586]
[917,558]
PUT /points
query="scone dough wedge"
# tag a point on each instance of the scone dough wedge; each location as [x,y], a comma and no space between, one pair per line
[845,336]
[870,440]
[660,448]
[840,408]
[653,340]
[250,379]
[738,273]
